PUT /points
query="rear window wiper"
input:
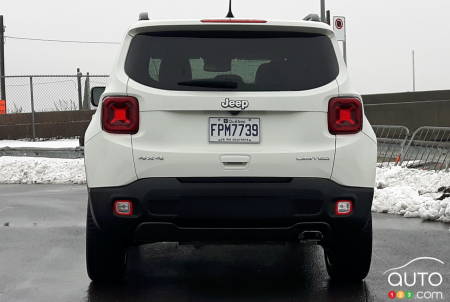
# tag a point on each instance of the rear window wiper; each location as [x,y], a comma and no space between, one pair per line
[210,84]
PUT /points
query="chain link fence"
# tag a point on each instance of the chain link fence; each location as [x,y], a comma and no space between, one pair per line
[47,93]
[47,106]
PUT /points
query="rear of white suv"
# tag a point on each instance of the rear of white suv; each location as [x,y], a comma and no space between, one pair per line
[230,131]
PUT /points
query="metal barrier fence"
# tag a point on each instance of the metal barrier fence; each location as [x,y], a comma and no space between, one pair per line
[43,93]
[427,148]
[391,143]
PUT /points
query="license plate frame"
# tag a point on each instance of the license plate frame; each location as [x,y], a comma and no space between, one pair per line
[234,139]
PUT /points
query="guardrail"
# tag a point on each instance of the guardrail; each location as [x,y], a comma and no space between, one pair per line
[427,148]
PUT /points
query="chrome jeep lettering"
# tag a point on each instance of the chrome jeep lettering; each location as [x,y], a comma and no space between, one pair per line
[240,104]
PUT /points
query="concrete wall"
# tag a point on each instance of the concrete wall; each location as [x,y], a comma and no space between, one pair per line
[411,115]
[410,109]
[402,97]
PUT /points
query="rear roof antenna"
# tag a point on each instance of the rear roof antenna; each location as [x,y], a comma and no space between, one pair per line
[230,12]
[143,16]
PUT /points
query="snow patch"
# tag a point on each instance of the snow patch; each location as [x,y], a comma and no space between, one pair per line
[39,170]
[59,143]
[412,193]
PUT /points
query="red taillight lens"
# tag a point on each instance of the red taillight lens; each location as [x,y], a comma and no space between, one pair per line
[120,115]
[345,116]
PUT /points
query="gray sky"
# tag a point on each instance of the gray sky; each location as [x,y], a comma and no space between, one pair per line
[381,34]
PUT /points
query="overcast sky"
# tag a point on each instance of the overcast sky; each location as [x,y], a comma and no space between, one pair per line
[381,34]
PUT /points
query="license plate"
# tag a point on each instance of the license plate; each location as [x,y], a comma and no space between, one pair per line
[230,130]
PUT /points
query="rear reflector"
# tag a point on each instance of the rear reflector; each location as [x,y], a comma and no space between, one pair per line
[344,207]
[120,115]
[345,116]
[232,21]
[123,208]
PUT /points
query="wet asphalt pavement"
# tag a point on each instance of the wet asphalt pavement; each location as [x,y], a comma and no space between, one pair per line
[42,259]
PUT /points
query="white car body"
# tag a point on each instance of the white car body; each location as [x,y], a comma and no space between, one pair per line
[117,160]
[164,160]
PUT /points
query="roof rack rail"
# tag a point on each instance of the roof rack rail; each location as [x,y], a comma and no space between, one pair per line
[312,17]
[143,16]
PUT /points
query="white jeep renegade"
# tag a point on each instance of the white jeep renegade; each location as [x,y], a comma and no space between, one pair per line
[230,131]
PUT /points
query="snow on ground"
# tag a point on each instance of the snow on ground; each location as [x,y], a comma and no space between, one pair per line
[402,191]
[59,143]
[412,193]
[39,170]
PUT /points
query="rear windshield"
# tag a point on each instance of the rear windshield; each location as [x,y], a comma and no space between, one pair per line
[232,61]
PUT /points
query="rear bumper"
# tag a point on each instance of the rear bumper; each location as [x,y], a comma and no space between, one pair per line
[229,209]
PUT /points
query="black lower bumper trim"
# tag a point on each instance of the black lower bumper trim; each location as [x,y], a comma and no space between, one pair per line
[260,208]
[162,231]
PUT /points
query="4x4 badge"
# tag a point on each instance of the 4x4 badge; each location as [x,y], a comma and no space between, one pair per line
[239,104]
[153,157]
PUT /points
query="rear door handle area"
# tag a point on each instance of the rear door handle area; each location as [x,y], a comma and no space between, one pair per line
[235,162]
